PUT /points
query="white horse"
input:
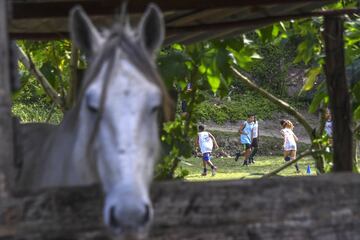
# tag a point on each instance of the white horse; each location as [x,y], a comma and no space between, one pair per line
[111,136]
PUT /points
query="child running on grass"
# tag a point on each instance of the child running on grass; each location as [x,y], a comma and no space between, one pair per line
[245,131]
[290,140]
[206,141]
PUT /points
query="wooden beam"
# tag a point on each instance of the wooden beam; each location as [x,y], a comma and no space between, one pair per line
[339,93]
[60,8]
[247,24]
[6,126]
[258,21]
[324,207]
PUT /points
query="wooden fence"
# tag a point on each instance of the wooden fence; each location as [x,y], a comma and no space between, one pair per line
[325,207]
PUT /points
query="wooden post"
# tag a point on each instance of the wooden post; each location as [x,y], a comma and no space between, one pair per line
[339,93]
[6,126]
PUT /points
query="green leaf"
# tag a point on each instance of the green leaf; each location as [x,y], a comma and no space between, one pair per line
[173,67]
[283,26]
[235,43]
[177,46]
[275,31]
[214,82]
[266,34]
[315,103]
[357,113]
[311,78]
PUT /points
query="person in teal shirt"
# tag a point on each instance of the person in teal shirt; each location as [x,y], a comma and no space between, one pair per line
[245,131]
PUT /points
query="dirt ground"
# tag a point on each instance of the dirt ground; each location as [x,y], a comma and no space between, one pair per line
[271,127]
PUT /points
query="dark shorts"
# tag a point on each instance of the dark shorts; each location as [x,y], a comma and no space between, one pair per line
[254,143]
[206,157]
[246,146]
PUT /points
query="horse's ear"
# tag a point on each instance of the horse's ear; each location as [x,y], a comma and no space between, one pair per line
[152,29]
[84,34]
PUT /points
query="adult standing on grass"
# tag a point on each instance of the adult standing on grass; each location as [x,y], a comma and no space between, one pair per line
[206,141]
[254,141]
[290,140]
[245,131]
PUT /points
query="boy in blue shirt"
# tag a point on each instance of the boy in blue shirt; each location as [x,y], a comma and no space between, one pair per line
[245,131]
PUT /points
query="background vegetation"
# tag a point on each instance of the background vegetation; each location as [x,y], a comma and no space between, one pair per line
[266,55]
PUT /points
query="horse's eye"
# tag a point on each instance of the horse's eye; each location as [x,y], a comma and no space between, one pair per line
[155,109]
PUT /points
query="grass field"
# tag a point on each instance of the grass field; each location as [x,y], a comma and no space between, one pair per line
[229,169]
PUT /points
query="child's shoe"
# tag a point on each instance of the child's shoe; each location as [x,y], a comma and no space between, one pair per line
[245,163]
[237,155]
[213,171]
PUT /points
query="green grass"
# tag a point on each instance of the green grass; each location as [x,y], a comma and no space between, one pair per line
[229,169]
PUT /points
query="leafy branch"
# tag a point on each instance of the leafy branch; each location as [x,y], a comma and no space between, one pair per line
[28,63]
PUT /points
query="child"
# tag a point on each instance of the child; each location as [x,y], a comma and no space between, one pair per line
[205,141]
[329,125]
[245,131]
[290,140]
[254,141]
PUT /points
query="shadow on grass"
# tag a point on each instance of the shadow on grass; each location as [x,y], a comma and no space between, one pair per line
[257,174]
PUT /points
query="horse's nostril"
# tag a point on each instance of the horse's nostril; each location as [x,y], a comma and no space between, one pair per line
[146,214]
[113,221]
[129,217]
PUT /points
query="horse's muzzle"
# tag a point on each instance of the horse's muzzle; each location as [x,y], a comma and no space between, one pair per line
[130,218]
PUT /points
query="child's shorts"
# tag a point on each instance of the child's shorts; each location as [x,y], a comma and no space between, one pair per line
[246,146]
[290,147]
[206,156]
[254,143]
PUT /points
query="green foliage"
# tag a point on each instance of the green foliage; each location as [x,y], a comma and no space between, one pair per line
[271,70]
[206,66]
[235,109]
[52,58]
[311,78]
[36,112]
[325,144]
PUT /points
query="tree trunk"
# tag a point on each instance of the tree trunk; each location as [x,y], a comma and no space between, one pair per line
[74,77]
[339,94]
[6,125]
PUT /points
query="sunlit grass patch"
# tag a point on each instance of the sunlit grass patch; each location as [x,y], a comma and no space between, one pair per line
[228,169]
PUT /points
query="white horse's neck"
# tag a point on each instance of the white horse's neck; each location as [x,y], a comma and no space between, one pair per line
[52,156]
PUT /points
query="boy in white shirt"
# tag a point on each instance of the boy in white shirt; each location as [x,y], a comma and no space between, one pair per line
[205,141]
[254,140]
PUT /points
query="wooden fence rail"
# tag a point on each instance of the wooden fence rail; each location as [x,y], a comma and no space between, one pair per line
[325,207]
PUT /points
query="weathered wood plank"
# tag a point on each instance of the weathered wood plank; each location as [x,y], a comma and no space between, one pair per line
[339,93]
[60,8]
[6,130]
[326,207]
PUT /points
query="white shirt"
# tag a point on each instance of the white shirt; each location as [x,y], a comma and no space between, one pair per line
[289,139]
[205,142]
[328,128]
[255,130]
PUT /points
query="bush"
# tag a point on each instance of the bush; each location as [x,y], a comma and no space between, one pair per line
[235,109]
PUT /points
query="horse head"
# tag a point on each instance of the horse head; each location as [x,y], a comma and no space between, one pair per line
[118,108]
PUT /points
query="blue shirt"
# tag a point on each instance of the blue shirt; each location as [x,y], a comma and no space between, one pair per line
[245,137]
